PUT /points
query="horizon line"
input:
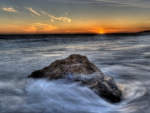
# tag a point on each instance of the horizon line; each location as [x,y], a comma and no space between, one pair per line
[117,33]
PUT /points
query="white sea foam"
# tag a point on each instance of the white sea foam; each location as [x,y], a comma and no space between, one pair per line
[56,96]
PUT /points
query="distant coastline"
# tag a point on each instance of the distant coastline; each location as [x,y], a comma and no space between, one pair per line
[33,36]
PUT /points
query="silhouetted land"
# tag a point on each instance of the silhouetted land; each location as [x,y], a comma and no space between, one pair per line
[33,36]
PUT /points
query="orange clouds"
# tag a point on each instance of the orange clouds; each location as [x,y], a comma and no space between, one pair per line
[31,28]
[44,27]
[9,9]
[39,28]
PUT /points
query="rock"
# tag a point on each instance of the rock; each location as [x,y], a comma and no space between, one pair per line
[78,68]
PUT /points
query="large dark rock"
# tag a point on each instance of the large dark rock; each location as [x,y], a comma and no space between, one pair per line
[78,68]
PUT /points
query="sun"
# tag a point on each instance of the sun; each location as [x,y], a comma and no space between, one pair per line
[101,31]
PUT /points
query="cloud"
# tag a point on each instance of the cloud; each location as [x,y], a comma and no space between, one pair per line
[129,3]
[18,28]
[35,27]
[30,28]
[9,9]
[44,27]
[121,3]
[49,27]
[52,20]
[38,27]
[64,19]
[33,11]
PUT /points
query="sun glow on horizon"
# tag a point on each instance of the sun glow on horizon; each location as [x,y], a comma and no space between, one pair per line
[102,31]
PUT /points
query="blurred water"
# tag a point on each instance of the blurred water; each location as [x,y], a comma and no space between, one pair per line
[127,59]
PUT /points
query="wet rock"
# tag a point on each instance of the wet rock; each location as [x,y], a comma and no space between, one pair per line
[78,68]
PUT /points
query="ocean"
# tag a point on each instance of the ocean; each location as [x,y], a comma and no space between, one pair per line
[125,58]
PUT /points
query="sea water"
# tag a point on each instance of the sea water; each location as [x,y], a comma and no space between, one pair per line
[126,58]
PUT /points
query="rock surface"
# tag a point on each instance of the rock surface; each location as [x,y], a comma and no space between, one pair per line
[78,68]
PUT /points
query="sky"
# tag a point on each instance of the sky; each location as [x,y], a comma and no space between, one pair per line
[73,16]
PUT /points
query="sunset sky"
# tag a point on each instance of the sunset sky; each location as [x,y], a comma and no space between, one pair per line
[73,16]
